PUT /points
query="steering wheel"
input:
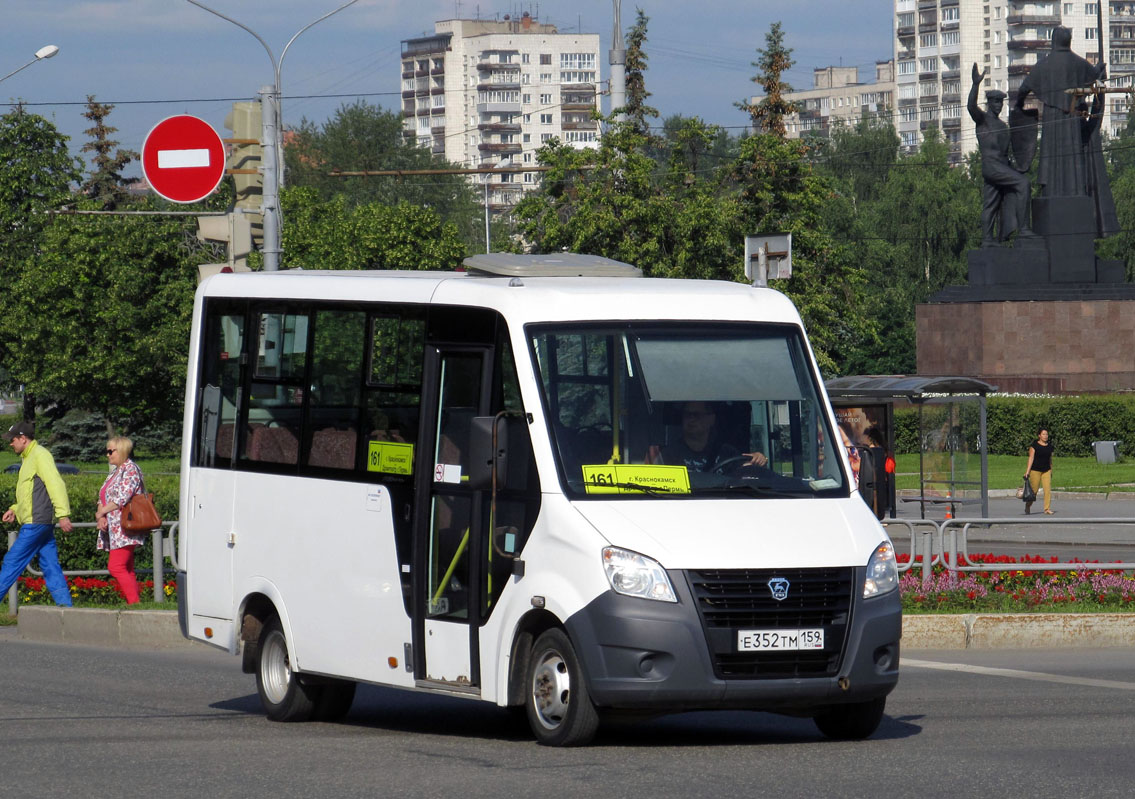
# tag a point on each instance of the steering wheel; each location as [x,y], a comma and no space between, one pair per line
[731,464]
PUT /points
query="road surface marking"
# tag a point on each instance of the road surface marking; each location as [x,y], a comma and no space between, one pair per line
[1018,674]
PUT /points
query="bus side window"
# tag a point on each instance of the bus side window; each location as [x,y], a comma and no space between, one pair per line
[216,420]
[333,407]
[394,378]
[277,390]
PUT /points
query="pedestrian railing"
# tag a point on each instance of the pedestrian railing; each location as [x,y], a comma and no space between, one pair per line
[163,540]
[946,543]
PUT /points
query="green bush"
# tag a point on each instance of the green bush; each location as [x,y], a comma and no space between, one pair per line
[1012,422]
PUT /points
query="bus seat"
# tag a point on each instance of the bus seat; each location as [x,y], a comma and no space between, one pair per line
[273,445]
[225,440]
[333,448]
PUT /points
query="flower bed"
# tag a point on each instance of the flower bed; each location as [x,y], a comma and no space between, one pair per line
[1003,589]
[88,591]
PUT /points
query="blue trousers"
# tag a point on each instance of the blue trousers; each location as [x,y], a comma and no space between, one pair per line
[32,540]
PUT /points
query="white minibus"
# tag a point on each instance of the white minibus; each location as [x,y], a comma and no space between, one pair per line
[543,482]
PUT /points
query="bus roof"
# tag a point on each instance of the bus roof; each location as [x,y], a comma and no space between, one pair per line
[521,299]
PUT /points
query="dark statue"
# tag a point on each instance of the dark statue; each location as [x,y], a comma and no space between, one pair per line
[1005,195]
[1035,239]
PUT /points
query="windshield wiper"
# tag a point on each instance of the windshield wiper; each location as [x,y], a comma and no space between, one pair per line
[753,488]
[653,491]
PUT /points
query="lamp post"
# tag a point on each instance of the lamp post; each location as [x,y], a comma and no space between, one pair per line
[272,135]
[41,54]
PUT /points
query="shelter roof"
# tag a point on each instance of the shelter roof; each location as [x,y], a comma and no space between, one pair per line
[913,387]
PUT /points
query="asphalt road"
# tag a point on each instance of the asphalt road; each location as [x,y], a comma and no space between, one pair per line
[120,723]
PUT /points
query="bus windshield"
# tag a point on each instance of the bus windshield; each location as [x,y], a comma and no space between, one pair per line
[685,409]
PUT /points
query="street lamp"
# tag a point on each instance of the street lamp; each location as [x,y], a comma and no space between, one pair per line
[41,54]
[272,127]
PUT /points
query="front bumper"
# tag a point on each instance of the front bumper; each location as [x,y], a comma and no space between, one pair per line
[642,655]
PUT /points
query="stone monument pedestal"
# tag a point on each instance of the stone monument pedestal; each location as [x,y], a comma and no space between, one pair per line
[1070,339]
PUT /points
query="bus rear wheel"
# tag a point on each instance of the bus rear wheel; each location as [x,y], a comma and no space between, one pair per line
[559,706]
[284,697]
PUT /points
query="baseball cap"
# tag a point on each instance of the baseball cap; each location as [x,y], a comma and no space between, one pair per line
[20,429]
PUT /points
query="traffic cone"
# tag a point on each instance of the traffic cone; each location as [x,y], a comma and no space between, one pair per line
[949,506]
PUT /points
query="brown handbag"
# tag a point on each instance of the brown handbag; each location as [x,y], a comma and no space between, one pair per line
[139,514]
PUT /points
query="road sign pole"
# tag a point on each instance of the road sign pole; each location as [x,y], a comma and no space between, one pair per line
[270,199]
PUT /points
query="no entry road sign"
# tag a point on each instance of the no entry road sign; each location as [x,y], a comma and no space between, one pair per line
[183,159]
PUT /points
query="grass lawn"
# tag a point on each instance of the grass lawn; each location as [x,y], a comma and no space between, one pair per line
[1006,471]
[148,465]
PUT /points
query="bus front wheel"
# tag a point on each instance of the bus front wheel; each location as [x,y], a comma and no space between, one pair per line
[559,706]
[284,697]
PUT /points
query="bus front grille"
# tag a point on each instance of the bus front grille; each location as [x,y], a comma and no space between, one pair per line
[734,600]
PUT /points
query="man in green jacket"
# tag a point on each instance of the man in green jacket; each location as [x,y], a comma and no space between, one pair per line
[41,498]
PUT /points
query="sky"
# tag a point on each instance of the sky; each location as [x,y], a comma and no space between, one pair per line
[158,58]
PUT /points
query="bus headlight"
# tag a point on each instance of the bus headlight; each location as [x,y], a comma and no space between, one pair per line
[632,574]
[882,571]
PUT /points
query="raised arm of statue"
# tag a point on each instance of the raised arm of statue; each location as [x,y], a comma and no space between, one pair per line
[975,112]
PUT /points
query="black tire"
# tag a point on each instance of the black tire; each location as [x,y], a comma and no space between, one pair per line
[558,704]
[851,722]
[334,700]
[284,697]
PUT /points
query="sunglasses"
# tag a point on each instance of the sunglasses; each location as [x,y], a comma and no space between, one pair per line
[111,451]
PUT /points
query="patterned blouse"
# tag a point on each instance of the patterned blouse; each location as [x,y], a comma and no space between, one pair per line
[123,483]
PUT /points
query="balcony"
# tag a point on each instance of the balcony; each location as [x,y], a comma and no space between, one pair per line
[951,74]
[407,112]
[437,130]
[438,149]
[437,70]
[510,85]
[577,87]
[498,108]
[590,124]
[904,30]
[504,148]
[437,111]
[407,94]
[499,127]
[577,106]
[952,122]
[496,66]
[1033,19]
[407,73]
[1020,69]
[929,99]
[1029,44]
[948,99]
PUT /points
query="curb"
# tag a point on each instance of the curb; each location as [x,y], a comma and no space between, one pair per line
[158,629]
[128,629]
[1017,630]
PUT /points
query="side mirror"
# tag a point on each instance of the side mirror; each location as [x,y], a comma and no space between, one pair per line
[509,457]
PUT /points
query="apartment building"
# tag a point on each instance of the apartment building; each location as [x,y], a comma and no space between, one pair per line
[838,96]
[492,92]
[937,42]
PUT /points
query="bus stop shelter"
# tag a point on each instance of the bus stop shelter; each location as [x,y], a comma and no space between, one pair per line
[953,456]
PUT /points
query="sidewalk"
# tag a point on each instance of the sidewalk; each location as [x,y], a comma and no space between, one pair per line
[158,629]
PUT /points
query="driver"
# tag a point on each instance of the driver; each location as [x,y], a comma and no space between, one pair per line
[699,449]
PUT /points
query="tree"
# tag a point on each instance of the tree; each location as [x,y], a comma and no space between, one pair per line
[333,234]
[36,173]
[106,184]
[362,137]
[769,112]
[781,192]
[636,110]
[104,316]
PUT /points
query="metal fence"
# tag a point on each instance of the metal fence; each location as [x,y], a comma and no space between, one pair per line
[946,543]
[163,540]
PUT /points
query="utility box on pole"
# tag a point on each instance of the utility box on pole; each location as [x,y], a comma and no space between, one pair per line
[245,159]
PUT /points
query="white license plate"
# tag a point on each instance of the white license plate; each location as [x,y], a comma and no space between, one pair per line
[765,640]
